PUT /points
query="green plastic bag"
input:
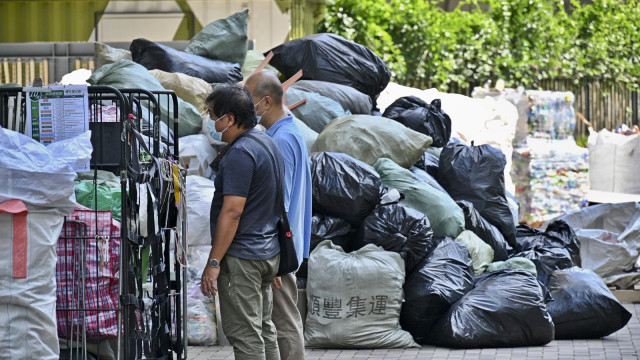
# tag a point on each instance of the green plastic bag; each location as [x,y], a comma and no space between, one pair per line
[446,218]
[107,198]
[223,39]
[515,263]
[368,138]
[481,253]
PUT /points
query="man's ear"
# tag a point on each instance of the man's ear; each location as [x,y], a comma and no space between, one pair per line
[231,118]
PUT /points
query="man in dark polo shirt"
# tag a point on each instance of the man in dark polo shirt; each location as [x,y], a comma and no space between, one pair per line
[245,253]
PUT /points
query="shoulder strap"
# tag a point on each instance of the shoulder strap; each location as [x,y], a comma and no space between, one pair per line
[279,196]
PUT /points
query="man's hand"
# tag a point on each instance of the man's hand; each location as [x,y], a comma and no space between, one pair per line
[277,283]
[209,281]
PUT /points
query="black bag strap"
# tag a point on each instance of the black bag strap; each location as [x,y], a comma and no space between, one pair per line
[279,197]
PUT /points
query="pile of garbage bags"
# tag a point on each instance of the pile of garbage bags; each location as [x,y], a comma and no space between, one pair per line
[415,236]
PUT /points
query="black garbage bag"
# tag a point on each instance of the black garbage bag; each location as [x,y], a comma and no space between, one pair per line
[429,163]
[583,307]
[332,58]
[440,279]
[423,175]
[398,228]
[416,114]
[331,228]
[157,56]
[505,308]
[476,174]
[561,233]
[547,255]
[343,186]
[488,233]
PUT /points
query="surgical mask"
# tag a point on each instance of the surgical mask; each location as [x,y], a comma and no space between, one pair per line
[259,117]
[211,128]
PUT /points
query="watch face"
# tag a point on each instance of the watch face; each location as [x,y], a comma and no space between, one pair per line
[214,263]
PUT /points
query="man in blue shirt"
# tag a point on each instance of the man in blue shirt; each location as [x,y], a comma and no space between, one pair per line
[267,93]
[244,256]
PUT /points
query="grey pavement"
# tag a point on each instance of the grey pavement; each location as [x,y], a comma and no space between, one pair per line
[624,344]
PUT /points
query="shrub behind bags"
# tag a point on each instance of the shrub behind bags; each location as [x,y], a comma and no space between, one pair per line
[476,174]
[368,138]
[354,300]
[223,39]
[400,229]
[583,307]
[343,186]
[332,58]
[444,215]
[157,56]
[442,278]
[505,308]
[416,114]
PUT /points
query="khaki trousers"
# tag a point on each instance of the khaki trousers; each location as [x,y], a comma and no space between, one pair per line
[287,319]
[245,307]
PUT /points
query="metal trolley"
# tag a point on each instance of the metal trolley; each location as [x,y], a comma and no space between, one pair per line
[121,289]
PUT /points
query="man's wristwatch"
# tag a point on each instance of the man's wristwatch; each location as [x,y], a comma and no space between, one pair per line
[214,263]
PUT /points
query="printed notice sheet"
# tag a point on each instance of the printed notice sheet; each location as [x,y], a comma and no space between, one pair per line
[57,112]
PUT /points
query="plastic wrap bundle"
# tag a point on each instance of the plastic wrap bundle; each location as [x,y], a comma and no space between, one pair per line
[200,193]
[354,299]
[583,307]
[332,58]
[505,308]
[551,113]
[475,174]
[484,230]
[343,187]
[442,278]
[418,115]
[201,318]
[400,229]
[551,178]
[609,237]
[153,55]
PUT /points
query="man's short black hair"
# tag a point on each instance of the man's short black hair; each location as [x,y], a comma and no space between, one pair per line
[236,100]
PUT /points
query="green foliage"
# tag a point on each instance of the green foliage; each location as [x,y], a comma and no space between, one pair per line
[521,41]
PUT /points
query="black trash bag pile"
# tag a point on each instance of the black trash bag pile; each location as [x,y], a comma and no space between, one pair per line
[331,228]
[583,307]
[343,186]
[416,114]
[474,222]
[332,58]
[476,174]
[548,252]
[157,56]
[442,278]
[424,176]
[505,308]
[398,228]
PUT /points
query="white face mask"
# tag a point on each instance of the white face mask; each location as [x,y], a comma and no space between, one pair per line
[259,117]
[211,128]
